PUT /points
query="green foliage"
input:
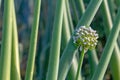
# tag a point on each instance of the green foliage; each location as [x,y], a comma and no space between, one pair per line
[69,38]
[15,63]
[33,42]
[56,41]
[105,58]
[5,61]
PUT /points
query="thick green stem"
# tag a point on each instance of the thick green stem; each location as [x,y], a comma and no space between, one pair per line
[15,64]
[69,16]
[115,57]
[73,70]
[56,41]
[115,63]
[33,42]
[86,19]
[74,11]
[106,17]
[111,7]
[80,64]
[6,41]
[107,53]
[45,43]
[65,30]
[80,6]
[0,3]
[93,60]
[66,36]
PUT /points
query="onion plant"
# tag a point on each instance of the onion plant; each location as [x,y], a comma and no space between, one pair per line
[85,38]
[105,58]
[33,42]
[115,58]
[56,41]
[72,41]
[0,3]
[15,64]
[5,62]
[65,38]
[68,53]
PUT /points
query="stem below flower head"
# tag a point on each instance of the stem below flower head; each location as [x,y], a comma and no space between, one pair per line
[80,64]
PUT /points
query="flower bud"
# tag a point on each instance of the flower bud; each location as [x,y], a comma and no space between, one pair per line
[85,38]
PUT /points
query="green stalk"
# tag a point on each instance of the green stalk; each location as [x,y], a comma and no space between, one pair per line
[118,40]
[33,42]
[0,3]
[106,55]
[66,37]
[6,41]
[45,43]
[92,56]
[74,11]
[15,64]
[117,2]
[90,12]
[111,7]
[106,17]
[115,59]
[93,60]
[66,58]
[65,30]
[115,63]
[69,16]
[49,24]
[80,64]
[73,70]
[80,6]
[56,41]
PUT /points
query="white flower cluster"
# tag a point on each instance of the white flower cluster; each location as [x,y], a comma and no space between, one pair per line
[85,38]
